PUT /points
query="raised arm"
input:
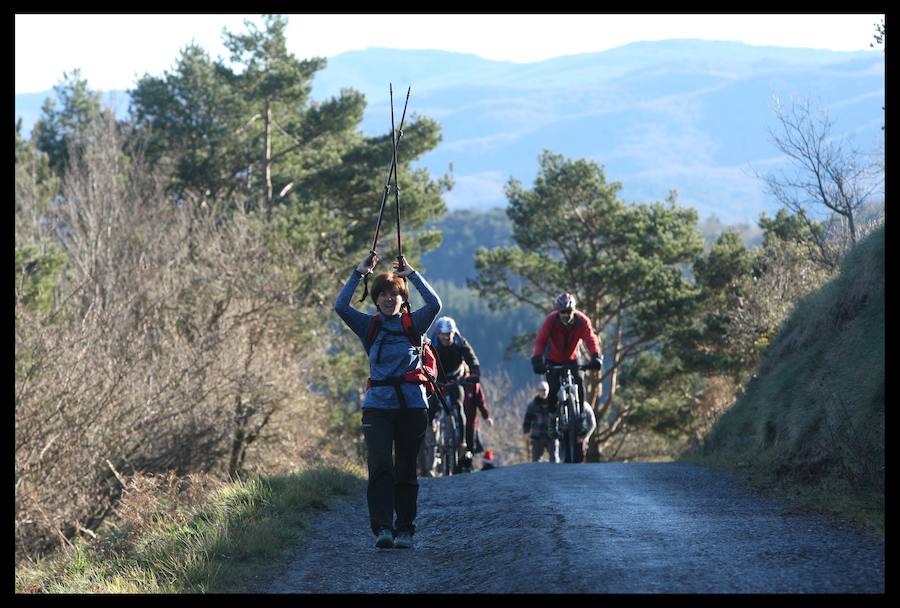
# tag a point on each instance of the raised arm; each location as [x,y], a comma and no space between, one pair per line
[423,317]
[356,320]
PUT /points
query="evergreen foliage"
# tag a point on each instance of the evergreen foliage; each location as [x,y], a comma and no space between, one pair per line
[622,262]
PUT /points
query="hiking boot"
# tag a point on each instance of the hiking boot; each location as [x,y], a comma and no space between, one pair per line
[385,539]
[403,540]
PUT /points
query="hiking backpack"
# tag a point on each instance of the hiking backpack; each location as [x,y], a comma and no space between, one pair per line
[426,372]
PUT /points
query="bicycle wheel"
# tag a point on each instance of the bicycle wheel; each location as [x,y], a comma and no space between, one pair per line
[453,448]
[571,430]
[446,445]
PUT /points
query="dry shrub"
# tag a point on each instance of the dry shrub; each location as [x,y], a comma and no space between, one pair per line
[507,408]
[717,396]
[148,499]
[172,347]
[640,445]
[770,297]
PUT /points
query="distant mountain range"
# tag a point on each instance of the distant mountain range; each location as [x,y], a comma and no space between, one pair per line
[685,115]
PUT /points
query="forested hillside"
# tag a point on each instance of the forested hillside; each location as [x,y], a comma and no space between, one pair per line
[462,232]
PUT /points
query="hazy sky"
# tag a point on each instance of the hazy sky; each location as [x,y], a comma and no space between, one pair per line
[114,50]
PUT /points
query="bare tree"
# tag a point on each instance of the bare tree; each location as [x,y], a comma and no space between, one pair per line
[830,179]
[171,347]
[507,407]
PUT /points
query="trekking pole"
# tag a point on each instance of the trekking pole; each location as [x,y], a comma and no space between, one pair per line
[401,263]
[391,172]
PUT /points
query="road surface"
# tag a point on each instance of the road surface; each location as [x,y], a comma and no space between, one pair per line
[587,528]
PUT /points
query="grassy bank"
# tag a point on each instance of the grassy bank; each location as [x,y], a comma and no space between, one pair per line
[192,536]
[811,425]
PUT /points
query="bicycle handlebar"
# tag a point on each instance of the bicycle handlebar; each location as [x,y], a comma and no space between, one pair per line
[466,380]
[577,366]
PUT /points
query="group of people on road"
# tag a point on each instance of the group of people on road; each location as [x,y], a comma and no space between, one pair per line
[555,348]
[459,377]
[401,398]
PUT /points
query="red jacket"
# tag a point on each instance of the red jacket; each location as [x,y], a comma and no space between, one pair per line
[564,338]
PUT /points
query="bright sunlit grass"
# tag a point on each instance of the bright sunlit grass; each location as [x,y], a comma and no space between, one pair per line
[215,545]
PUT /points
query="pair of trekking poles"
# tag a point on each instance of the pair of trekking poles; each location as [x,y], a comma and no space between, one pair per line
[396,135]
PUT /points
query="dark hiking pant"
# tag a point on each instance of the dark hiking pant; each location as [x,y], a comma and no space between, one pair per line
[393,438]
[539,444]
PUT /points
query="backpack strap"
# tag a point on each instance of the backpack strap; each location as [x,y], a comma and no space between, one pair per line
[420,375]
[409,328]
[374,328]
[373,331]
[394,381]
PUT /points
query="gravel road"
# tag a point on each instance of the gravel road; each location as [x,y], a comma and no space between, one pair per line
[587,528]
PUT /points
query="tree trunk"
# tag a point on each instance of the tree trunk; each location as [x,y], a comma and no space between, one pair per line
[238,443]
[615,370]
[267,160]
[593,449]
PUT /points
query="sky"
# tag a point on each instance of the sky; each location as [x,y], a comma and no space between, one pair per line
[114,50]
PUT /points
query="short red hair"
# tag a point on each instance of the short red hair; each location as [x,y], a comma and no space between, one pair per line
[386,280]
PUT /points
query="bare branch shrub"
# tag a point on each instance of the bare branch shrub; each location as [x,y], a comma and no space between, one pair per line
[830,179]
[173,348]
[784,274]
[507,408]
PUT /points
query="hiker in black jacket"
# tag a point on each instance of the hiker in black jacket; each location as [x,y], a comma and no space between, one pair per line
[541,425]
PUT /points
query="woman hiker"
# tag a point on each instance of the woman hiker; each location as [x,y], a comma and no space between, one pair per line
[395,405]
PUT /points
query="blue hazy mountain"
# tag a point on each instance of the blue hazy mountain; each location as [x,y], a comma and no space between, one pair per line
[685,115]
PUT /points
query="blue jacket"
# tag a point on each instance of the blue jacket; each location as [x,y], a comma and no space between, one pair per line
[390,355]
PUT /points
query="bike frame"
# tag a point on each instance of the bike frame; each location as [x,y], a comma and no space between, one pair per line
[451,428]
[569,403]
[447,441]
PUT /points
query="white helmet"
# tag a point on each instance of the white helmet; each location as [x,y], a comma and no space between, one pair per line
[565,301]
[445,325]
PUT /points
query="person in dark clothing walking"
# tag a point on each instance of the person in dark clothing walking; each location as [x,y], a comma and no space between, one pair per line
[540,426]
[395,405]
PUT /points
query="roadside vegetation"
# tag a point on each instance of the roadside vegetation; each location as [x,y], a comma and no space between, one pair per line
[192,534]
[811,423]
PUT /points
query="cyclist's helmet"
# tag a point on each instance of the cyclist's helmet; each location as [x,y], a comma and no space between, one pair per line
[445,325]
[565,301]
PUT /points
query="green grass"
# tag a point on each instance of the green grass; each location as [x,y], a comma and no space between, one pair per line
[216,546]
[811,427]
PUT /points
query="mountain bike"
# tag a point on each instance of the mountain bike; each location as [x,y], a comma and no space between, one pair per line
[450,430]
[569,403]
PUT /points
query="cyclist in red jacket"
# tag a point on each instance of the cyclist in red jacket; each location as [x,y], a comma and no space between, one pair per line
[560,333]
